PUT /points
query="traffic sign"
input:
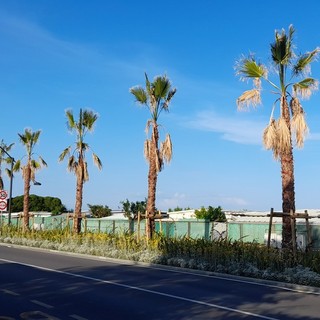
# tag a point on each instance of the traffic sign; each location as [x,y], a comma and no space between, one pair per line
[3,205]
[3,194]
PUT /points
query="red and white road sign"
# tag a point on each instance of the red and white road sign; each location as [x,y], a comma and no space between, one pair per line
[3,205]
[3,194]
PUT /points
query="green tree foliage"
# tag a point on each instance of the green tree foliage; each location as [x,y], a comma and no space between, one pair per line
[178,209]
[4,158]
[38,203]
[211,213]
[99,211]
[131,209]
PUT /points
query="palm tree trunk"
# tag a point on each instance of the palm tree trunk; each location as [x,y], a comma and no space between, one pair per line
[152,184]
[27,178]
[287,175]
[78,205]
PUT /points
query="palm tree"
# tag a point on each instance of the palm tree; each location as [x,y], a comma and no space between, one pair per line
[156,96]
[290,124]
[76,161]
[29,139]
[4,149]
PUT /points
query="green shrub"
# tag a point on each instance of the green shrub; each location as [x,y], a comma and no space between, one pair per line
[211,213]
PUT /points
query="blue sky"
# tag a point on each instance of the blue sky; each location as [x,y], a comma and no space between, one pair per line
[58,55]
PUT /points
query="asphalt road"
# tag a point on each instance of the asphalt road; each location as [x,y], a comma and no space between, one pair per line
[40,284]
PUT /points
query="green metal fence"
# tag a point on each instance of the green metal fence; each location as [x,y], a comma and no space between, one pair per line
[245,231]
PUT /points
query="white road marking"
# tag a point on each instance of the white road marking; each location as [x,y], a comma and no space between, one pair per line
[144,290]
[42,304]
[75,316]
[10,292]
[37,315]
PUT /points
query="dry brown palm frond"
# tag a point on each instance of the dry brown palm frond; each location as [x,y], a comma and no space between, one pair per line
[295,106]
[146,151]
[305,87]
[149,122]
[159,161]
[32,175]
[299,127]
[85,172]
[284,137]
[276,153]
[249,97]
[79,171]
[270,137]
[166,149]
[23,169]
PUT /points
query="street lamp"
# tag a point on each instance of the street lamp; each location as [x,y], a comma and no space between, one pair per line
[11,182]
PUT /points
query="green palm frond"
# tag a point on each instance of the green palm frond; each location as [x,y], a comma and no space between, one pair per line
[9,172]
[140,94]
[8,160]
[17,166]
[281,49]
[302,66]
[161,85]
[247,67]
[22,138]
[36,136]
[171,93]
[70,120]
[35,165]
[149,88]
[88,119]
[42,162]
[64,153]
[305,87]
[97,161]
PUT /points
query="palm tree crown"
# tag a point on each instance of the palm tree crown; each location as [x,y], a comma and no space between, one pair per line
[85,124]
[156,97]
[276,136]
[4,158]
[29,139]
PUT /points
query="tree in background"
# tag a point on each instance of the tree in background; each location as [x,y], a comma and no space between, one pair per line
[99,211]
[29,140]
[38,203]
[291,117]
[211,213]
[156,96]
[132,209]
[4,159]
[178,209]
[76,157]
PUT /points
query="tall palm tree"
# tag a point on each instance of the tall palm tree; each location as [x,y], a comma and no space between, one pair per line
[28,139]
[156,96]
[76,161]
[290,125]
[4,149]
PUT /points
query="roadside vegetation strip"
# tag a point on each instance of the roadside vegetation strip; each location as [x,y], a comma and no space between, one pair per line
[223,256]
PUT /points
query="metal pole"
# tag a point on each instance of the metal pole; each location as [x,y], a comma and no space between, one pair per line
[10,192]
[11,182]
